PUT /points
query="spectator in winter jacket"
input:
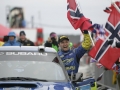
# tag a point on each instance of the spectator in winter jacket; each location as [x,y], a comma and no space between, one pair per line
[52,41]
[71,57]
[11,40]
[5,38]
[24,41]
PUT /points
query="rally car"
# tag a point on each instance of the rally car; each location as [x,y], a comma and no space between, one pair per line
[37,68]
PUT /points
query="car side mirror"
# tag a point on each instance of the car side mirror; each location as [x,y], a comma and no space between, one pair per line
[77,77]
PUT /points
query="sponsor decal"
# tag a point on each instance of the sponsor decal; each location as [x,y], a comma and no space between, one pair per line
[23,53]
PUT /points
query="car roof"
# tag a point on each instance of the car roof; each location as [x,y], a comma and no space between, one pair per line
[28,49]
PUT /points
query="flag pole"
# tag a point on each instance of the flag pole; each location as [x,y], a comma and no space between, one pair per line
[80,10]
[91,38]
[101,75]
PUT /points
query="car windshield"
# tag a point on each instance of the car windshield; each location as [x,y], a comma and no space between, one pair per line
[32,65]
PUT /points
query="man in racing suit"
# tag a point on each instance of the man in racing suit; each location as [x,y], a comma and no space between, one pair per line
[71,57]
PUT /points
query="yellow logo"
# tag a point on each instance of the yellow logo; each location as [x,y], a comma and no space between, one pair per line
[28,44]
[63,37]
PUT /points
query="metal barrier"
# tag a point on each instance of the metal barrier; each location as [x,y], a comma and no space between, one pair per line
[106,80]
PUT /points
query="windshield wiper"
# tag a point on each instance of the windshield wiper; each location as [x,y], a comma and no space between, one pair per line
[21,78]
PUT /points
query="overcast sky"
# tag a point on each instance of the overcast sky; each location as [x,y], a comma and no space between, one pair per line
[53,12]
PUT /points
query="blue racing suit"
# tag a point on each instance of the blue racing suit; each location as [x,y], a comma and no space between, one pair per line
[72,57]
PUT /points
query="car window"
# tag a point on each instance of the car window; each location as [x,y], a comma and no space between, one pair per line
[33,66]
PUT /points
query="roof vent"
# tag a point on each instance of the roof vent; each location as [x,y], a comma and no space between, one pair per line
[41,49]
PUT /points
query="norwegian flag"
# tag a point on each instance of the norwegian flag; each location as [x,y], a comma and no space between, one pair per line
[108,10]
[99,65]
[99,32]
[76,17]
[102,52]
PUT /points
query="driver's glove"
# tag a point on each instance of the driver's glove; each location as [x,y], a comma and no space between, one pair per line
[86,44]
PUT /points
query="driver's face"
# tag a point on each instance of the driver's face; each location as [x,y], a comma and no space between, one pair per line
[64,45]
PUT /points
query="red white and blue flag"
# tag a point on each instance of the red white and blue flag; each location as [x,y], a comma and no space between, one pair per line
[99,32]
[76,17]
[102,51]
[108,10]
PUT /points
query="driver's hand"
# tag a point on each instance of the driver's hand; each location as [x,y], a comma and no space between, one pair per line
[86,44]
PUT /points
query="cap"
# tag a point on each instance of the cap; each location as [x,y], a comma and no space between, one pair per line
[53,34]
[22,33]
[61,38]
[11,34]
